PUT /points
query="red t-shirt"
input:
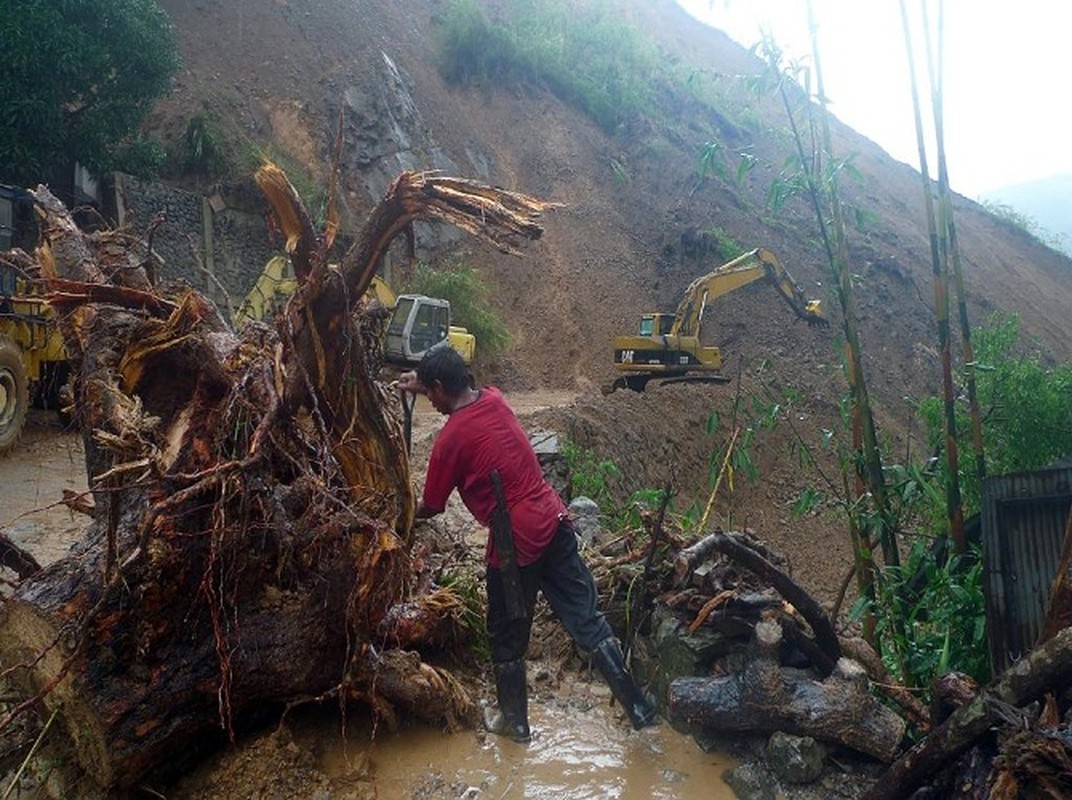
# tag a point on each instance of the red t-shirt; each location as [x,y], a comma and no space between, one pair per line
[484,436]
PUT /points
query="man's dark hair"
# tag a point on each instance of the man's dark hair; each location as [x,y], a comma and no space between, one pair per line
[444,364]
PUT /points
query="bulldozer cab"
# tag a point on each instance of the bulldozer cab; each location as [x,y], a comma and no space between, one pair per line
[33,364]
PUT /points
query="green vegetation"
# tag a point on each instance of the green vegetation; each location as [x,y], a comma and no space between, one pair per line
[79,78]
[470,614]
[928,612]
[205,150]
[1027,408]
[584,54]
[725,245]
[931,617]
[590,475]
[470,304]
[596,478]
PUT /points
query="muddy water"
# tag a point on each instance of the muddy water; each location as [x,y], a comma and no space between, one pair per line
[581,750]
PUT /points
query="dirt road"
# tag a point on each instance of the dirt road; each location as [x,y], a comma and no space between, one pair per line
[47,461]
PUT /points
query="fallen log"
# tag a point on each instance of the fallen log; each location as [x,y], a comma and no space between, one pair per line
[1047,668]
[914,710]
[252,502]
[735,547]
[763,698]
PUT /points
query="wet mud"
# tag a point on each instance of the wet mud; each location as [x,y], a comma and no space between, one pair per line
[581,750]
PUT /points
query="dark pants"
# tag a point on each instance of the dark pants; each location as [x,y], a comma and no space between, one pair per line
[569,588]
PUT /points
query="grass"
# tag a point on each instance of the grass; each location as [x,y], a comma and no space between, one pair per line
[586,56]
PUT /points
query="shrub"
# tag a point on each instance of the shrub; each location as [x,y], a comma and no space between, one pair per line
[931,616]
[1027,409]
[470,304]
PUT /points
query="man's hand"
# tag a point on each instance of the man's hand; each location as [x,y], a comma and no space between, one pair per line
[408,382]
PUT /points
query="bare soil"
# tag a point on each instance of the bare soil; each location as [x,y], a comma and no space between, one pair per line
[48,461]
[617,246]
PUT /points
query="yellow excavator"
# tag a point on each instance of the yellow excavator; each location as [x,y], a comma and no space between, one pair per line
[667,347]
[417,322]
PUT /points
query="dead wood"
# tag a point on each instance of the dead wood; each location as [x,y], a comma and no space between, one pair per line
[734,545]
[252,502]
[1047,668]
[1033,763]
[914,710]
[762,698]
[398,680]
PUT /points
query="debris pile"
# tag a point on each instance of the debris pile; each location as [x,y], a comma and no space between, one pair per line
[250,529]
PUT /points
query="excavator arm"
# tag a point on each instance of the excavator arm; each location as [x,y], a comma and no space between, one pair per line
[748,268]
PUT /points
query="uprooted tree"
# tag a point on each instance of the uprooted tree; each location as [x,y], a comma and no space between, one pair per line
[252,497]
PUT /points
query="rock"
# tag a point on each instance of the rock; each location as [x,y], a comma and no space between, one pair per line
[552,461]
[585,515]
[751,782]
[795,759]
[677,652]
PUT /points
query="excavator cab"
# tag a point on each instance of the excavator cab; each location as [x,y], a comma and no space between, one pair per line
[420,323]
[656,324]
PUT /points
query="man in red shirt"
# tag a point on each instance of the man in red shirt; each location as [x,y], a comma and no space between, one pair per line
[481,436]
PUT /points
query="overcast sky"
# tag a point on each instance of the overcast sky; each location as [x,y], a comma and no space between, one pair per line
[1007,112]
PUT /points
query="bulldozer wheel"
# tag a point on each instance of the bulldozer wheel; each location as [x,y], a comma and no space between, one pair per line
[14,394]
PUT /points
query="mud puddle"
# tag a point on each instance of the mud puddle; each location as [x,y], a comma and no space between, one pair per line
[581,750]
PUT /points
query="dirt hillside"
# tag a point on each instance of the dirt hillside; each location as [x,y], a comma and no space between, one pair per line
[281,74]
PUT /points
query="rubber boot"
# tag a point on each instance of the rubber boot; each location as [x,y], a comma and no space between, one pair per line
[512,716]
[610,661]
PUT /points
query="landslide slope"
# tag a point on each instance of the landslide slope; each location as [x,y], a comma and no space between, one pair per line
[283,75]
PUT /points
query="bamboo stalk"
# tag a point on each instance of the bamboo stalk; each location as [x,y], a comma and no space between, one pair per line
[872,459]
[945,196]
[940,277]
[718,481]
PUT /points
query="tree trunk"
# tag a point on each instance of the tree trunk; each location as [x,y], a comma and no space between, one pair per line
[762,698]
[252,496]
[1047,668]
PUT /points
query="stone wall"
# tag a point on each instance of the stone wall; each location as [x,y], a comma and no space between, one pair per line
[217,243]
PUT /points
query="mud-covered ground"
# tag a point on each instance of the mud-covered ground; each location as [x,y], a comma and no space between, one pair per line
[583,747]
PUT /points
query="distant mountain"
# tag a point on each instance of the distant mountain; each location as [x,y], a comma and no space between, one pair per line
[1046,202]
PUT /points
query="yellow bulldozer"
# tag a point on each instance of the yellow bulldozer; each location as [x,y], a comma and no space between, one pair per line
[33,364]
[667,347]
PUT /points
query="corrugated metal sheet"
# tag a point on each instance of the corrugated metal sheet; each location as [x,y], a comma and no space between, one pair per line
[1023,527]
